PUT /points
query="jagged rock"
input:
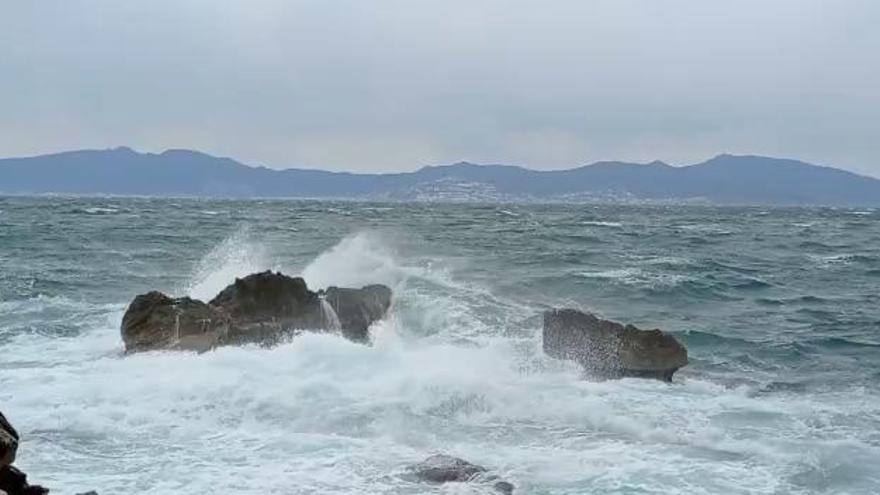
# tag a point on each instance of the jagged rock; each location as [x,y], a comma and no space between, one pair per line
[441,468]
[8,442]
[156,321]
[610,350]
[261,308]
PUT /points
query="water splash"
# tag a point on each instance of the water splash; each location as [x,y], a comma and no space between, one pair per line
[236,256]
[357,260]
[329,318]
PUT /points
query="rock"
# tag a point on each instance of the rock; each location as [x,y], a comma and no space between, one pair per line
[441,468]
[262,308]
[503,487]
[610,350]
[357,309]
[268,296]
[266,307]
[156,321]
[8,442]
[14,482]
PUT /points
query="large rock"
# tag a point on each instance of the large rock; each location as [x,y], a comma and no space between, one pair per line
[441,468]
[610,350]
[262,308]
[156,321]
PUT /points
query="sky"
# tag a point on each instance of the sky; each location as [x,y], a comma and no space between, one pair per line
[395,85]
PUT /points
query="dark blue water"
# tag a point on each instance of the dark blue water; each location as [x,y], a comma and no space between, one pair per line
[778,307]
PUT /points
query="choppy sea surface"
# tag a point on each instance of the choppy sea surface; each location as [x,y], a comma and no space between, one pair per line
[779,309]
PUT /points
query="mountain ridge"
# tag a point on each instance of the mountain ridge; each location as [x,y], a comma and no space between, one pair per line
[723,179]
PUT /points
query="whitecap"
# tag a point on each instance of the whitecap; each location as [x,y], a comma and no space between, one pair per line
[99,210]
[599,223]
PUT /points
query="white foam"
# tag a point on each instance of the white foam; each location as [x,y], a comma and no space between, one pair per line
[596,223]
[637,277]
[97,210]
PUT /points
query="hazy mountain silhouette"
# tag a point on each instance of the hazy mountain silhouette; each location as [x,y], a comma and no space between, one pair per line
[725,179]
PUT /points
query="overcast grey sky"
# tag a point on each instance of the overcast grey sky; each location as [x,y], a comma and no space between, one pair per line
[394,85]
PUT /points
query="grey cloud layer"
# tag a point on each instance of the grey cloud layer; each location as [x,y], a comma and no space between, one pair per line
[391,85]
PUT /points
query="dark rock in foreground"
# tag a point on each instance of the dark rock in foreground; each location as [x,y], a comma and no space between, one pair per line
[445,469]
[262,308]
[610,350]
[13,481]
[8,442]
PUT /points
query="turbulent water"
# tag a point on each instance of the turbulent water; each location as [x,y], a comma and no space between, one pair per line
[779,310]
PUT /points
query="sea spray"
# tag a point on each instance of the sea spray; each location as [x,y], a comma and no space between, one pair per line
[357,260]
[237,255]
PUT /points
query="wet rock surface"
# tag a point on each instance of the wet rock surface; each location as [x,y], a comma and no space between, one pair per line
[607,349]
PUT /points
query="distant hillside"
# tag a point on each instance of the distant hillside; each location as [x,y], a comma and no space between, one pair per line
[725,179]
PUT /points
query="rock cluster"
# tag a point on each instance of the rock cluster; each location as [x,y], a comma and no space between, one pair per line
[610,350]
[262,308]
[268,307]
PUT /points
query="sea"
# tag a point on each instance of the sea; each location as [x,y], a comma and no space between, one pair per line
[778,307]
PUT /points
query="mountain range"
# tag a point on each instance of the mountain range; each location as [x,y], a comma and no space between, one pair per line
[724,179]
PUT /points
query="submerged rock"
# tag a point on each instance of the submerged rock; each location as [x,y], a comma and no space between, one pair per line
[610,350]
[261,308]
[441,468]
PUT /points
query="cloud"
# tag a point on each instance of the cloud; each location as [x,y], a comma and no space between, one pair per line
[393,85]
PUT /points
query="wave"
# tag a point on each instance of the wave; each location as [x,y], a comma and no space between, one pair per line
[508,213]
[842,259]
[637,277]
[841,343]
[598,223]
